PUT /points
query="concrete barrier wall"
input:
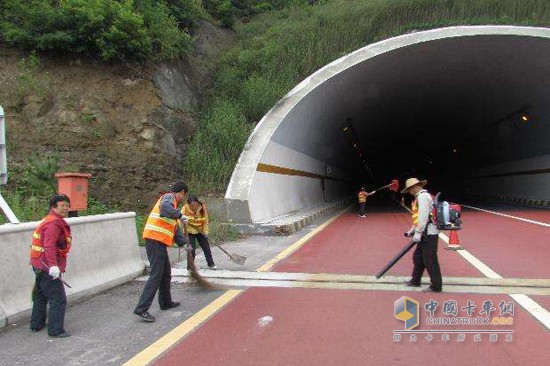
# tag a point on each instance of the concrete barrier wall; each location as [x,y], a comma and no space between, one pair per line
[104,254]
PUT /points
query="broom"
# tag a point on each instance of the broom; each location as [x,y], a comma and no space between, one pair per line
[393,186]
[234,257]
[191,265]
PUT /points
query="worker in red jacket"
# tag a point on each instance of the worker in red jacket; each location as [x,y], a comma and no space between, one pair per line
[51,243]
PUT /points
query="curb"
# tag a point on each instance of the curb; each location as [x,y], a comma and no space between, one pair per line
[288,228]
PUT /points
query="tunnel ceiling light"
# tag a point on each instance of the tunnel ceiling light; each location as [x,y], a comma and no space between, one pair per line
[525,117]
[345,129]
[455,151]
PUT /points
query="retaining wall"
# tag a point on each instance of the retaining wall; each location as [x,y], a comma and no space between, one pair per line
[104,254]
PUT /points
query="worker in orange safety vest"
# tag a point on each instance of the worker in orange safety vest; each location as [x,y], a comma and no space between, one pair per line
[162,231]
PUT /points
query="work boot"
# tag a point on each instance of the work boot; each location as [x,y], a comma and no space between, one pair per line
[61,335]
[410,283]
[146,316]
[431,289]
[172,304]
[212,266]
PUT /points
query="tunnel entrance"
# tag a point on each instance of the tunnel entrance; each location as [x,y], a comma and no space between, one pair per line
[464,107]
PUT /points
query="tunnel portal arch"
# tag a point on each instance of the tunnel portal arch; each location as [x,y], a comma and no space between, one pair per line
[452,86]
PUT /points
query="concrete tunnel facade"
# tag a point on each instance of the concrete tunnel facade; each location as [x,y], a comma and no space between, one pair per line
[467,108]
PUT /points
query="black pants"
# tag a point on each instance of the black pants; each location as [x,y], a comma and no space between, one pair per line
[425,257]
[48,291]
[362,206]
[159,278]
[203,242]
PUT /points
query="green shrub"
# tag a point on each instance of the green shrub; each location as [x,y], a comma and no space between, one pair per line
[113,30]
[30,79]
[168,40]
[221,10]
[186,12]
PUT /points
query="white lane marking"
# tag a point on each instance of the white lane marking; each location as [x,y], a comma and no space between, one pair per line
[508,216]
[482,267]
[532,307]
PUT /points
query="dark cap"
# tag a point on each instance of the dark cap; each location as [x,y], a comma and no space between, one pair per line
[178,187]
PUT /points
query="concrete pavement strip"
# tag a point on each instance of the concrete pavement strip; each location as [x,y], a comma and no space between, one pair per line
[364,282]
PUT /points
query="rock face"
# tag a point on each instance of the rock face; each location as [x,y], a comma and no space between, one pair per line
[128,127]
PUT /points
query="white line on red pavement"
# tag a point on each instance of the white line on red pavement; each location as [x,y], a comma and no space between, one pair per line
[508,216]
[537,311]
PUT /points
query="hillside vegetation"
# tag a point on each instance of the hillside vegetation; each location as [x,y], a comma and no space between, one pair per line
[117,30]
[280,48]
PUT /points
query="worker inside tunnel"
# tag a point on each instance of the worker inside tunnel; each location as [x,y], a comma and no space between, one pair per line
[464,107]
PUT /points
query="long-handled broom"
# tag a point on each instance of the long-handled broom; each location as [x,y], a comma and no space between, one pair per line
[234,257]
[393,186]
[192,267]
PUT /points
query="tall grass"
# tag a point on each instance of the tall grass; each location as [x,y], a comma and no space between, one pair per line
[278,49]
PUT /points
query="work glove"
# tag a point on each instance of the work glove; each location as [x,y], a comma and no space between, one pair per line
[417,237]
[55,272]
[409,233]
[184,219]
[188,247]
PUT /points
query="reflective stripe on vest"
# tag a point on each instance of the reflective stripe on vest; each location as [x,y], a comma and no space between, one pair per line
[160,228]
[414,212]
[37,247]
[195,219]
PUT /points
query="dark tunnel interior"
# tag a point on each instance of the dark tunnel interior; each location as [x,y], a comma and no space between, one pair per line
[442,110]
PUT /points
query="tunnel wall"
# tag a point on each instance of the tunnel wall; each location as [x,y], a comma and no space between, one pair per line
[523,181]
[290,181]
[254,195]
[104,254]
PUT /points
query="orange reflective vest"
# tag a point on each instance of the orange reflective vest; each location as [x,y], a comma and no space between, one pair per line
[37,246]
[197,221]
[362,196]
[160,228]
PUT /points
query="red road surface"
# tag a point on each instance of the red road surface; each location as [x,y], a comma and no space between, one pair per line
[346,327]
[355,245]
[323,327]
[512,248]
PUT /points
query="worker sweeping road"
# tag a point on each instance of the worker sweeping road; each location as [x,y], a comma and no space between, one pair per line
[198,227]
[160,232]
[425,234]
[51,243]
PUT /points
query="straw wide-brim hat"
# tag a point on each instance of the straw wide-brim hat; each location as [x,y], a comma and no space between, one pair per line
[411,182]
